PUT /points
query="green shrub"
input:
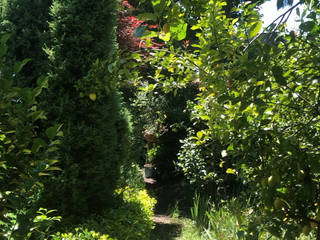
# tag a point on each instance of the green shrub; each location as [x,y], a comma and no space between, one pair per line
[131,219]
[201,162]
[131,176]
[82,234]
[28,153]
[84,76]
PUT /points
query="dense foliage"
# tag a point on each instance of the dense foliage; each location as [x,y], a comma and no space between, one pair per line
[82,95]
[27,22]
[258,107]
[27,153]
[84,74]
[206,91]
[130,219]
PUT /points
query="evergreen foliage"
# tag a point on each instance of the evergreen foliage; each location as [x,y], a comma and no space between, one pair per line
[83,97]
[26,21]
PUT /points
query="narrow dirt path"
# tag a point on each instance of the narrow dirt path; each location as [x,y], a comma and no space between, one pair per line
[166,227]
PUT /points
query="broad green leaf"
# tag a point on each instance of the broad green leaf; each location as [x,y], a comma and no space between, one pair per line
[151,87]
[199,134]
[280,4]
[278,75]
[2,137]
[159,6]
[52,149]
[149,34]
[37,115]
[5,38]
[42,82]
[37,144]
[3,50]
[19,65]
[147,16]
[139,31]
[260,83]
[52,132]
[230,147]
[307,26]
[255,29]
[282,190]
[37,91]
[3,165]
[182,32]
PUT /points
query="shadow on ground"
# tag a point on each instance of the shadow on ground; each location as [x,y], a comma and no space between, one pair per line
[166,231]
[168,194]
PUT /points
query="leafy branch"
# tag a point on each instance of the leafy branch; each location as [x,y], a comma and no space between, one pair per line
[281,17]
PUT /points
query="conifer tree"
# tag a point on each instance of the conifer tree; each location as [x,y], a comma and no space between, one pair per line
[83,96]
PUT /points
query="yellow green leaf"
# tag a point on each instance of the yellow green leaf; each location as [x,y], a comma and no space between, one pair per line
[43,174]
[199,134]
[254,30]
[230,171]
[235,20]
[27,151]
[53,169]
[93,96]
[259,83]
[40,184]
[165,36]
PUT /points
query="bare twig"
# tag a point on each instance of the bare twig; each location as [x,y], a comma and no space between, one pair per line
[280,17]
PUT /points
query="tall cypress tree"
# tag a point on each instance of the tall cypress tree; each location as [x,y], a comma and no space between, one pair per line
[27,22]
[82,95]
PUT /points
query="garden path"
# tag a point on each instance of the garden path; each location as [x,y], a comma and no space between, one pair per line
[166,227]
